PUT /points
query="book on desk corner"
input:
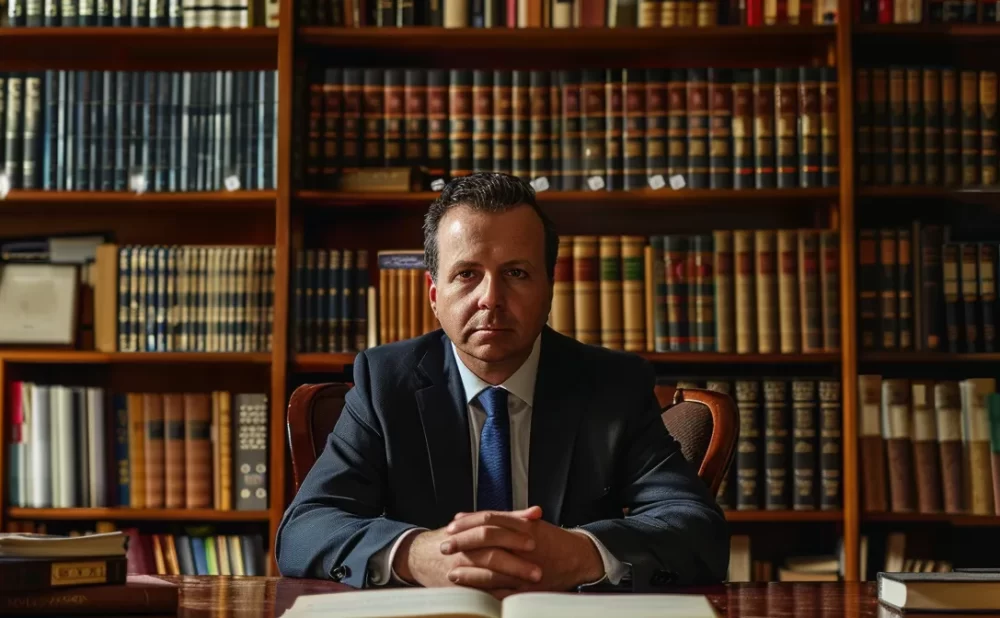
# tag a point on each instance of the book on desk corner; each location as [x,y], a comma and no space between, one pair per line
[38,562]
[940,592]
[462,602]
[139,594]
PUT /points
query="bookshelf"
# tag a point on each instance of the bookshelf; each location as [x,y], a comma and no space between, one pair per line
[293,216]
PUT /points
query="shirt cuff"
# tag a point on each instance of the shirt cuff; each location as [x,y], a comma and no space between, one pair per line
[380,564]
[614,570]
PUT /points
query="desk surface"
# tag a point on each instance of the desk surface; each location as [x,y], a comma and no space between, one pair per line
[269,597]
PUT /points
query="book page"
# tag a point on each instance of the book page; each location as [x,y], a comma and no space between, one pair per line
[572,605]
[397,603]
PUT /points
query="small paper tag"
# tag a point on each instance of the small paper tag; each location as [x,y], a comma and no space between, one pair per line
[657,181]
[677,182]
[437,184]
[137,182]
[540,184]
[4,185]
[596,183]
[232,182]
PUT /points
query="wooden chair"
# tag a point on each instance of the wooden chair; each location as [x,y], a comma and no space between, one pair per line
[706,424]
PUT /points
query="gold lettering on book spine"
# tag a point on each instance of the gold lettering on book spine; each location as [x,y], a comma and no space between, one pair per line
[77,573]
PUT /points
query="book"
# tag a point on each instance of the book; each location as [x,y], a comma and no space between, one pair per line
[140,594]
[471,603]
[33,545]
[958,591]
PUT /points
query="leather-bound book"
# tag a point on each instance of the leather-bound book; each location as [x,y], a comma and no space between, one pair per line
[482,120]
[436,152]
[830,450]
[634,157]
[152,404]
[948,421]
[808,281]
[742,129]
[880,126]
[675,248]
[750,446]
[810,128]
[951,285]
[976,445]
[586,289]
[697,128]
[678,119]
[633,278]
[173,423]
[198,450]
[571,144]
[829,94]
[460,129]
[914,127]
[951,128]
[373,96]
[987,295]
[766,278]
[720,127]
[503,121]
[725,301]
[829,279]
[897,430]
[701,287]
[521,125]
[612,322]
[988,126]
[863,121]
[777,451]
[745,293]
[897,126]
[926,462]
[614,147]
[873,481]
[594,121]
[905,288]
[969,275]
[786,127]
[540,130]
[805,445]
[415,115]
[888,295]
[790,326]
[659,124]
[931,125]
[562,292]
[969,121]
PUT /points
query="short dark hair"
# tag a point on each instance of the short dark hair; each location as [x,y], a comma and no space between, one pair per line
[485,192]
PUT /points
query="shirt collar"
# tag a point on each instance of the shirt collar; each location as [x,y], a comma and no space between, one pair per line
[521,384]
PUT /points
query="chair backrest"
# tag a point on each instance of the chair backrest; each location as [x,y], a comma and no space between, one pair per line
[704,422]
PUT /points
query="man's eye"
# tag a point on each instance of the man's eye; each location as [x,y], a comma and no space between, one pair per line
[465,274]
[516,272]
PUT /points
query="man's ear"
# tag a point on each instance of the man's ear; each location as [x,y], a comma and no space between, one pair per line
[431,291]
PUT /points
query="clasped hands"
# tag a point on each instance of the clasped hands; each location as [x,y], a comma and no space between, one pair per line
[500,552]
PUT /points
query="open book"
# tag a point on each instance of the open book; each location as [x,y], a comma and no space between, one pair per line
[472,603]
[34,545]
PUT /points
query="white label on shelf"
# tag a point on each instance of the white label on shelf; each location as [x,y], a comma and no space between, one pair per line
[596,183]
[677,182]
[137,182]
[437,184]
[4,185]
[540,184]
[232,182]
[657,181]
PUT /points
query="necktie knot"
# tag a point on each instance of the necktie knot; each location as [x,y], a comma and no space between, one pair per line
[493,400]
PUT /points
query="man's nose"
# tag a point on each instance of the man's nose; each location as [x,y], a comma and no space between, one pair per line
[491,292]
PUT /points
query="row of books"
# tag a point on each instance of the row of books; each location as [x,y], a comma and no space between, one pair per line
[138,14]
[196,552]
[745,566]
[562,13]
[149,450]
[186,298]
[788,456]
[918,288]
[139,131]
[330,300]
[929,446]
[925,11]
[615,129]
[926,125]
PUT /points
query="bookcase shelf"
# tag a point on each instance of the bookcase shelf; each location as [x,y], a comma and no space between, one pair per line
[129,514]
[664,199]
[149,358]
[935,193]
[137,49]
[88,202]
[539,48]
[335,362]
[934,358]
[935,34]
[935,518]
[783,516]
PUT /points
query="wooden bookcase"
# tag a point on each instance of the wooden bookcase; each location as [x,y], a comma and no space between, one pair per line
[294,219]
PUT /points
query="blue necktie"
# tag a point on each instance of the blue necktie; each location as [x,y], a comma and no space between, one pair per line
[494,484]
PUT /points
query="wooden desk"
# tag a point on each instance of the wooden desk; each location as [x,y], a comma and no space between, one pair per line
[269,597]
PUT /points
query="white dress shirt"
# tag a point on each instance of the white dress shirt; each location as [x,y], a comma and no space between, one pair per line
[521,390]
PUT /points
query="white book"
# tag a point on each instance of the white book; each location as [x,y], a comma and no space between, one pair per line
[64,449]
[39,447]
[462,602]
[96,466]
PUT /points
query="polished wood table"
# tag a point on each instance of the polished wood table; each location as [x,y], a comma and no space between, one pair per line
[270,597]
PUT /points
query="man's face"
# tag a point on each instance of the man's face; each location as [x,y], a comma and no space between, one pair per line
[492,294]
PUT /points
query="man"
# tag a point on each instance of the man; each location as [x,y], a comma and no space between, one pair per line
[499,454]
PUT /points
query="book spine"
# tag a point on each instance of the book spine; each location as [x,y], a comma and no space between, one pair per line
[460,130]
[987,294]
[931,99]
[880,126]
[556,129]
[988,126]
[373,110]
[394,118]
[678,121]
[702,288]
[809,127]
[790,325]
[969,104]
[415,137]
[697,129]
[951,131]
[725,303]
[586,290]
[250,488]
[951,284]
[750,447]
[742,129]
[635,130]
[968,262]
[482,120]
[353,123]
[661,333]
[905,282]
[926,464]
[503,121]
[594,123]
[720,129]
[888,290]
[766,278]
[540,131]
[863,125]
[48,576]
[521,137]
[776,459]
[614,146]
[676,272]
[872,447]
[809,283]
[745,291]
[437,158]
[332,126]
[610,290]
[915,130]
[829,95]
[948,421]
[786,127]
[830,433]
[897,126]
[897,430]
[805,419]
[562,317]
[660,124]
[633,278]
[571,144]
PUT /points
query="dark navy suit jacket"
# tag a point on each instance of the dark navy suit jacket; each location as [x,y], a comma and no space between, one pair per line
[399,457]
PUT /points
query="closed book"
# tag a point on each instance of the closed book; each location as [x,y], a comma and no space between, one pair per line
[943,592]
[948,421]
[926,463]
[874,490]
[22,575]
[139,594]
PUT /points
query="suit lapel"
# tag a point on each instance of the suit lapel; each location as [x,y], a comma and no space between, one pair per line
[555,417]
[445,420]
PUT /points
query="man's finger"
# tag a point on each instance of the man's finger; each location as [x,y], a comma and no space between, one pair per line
[532,512]
[511,520]
[478,577]
[502,562]
[487,536]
